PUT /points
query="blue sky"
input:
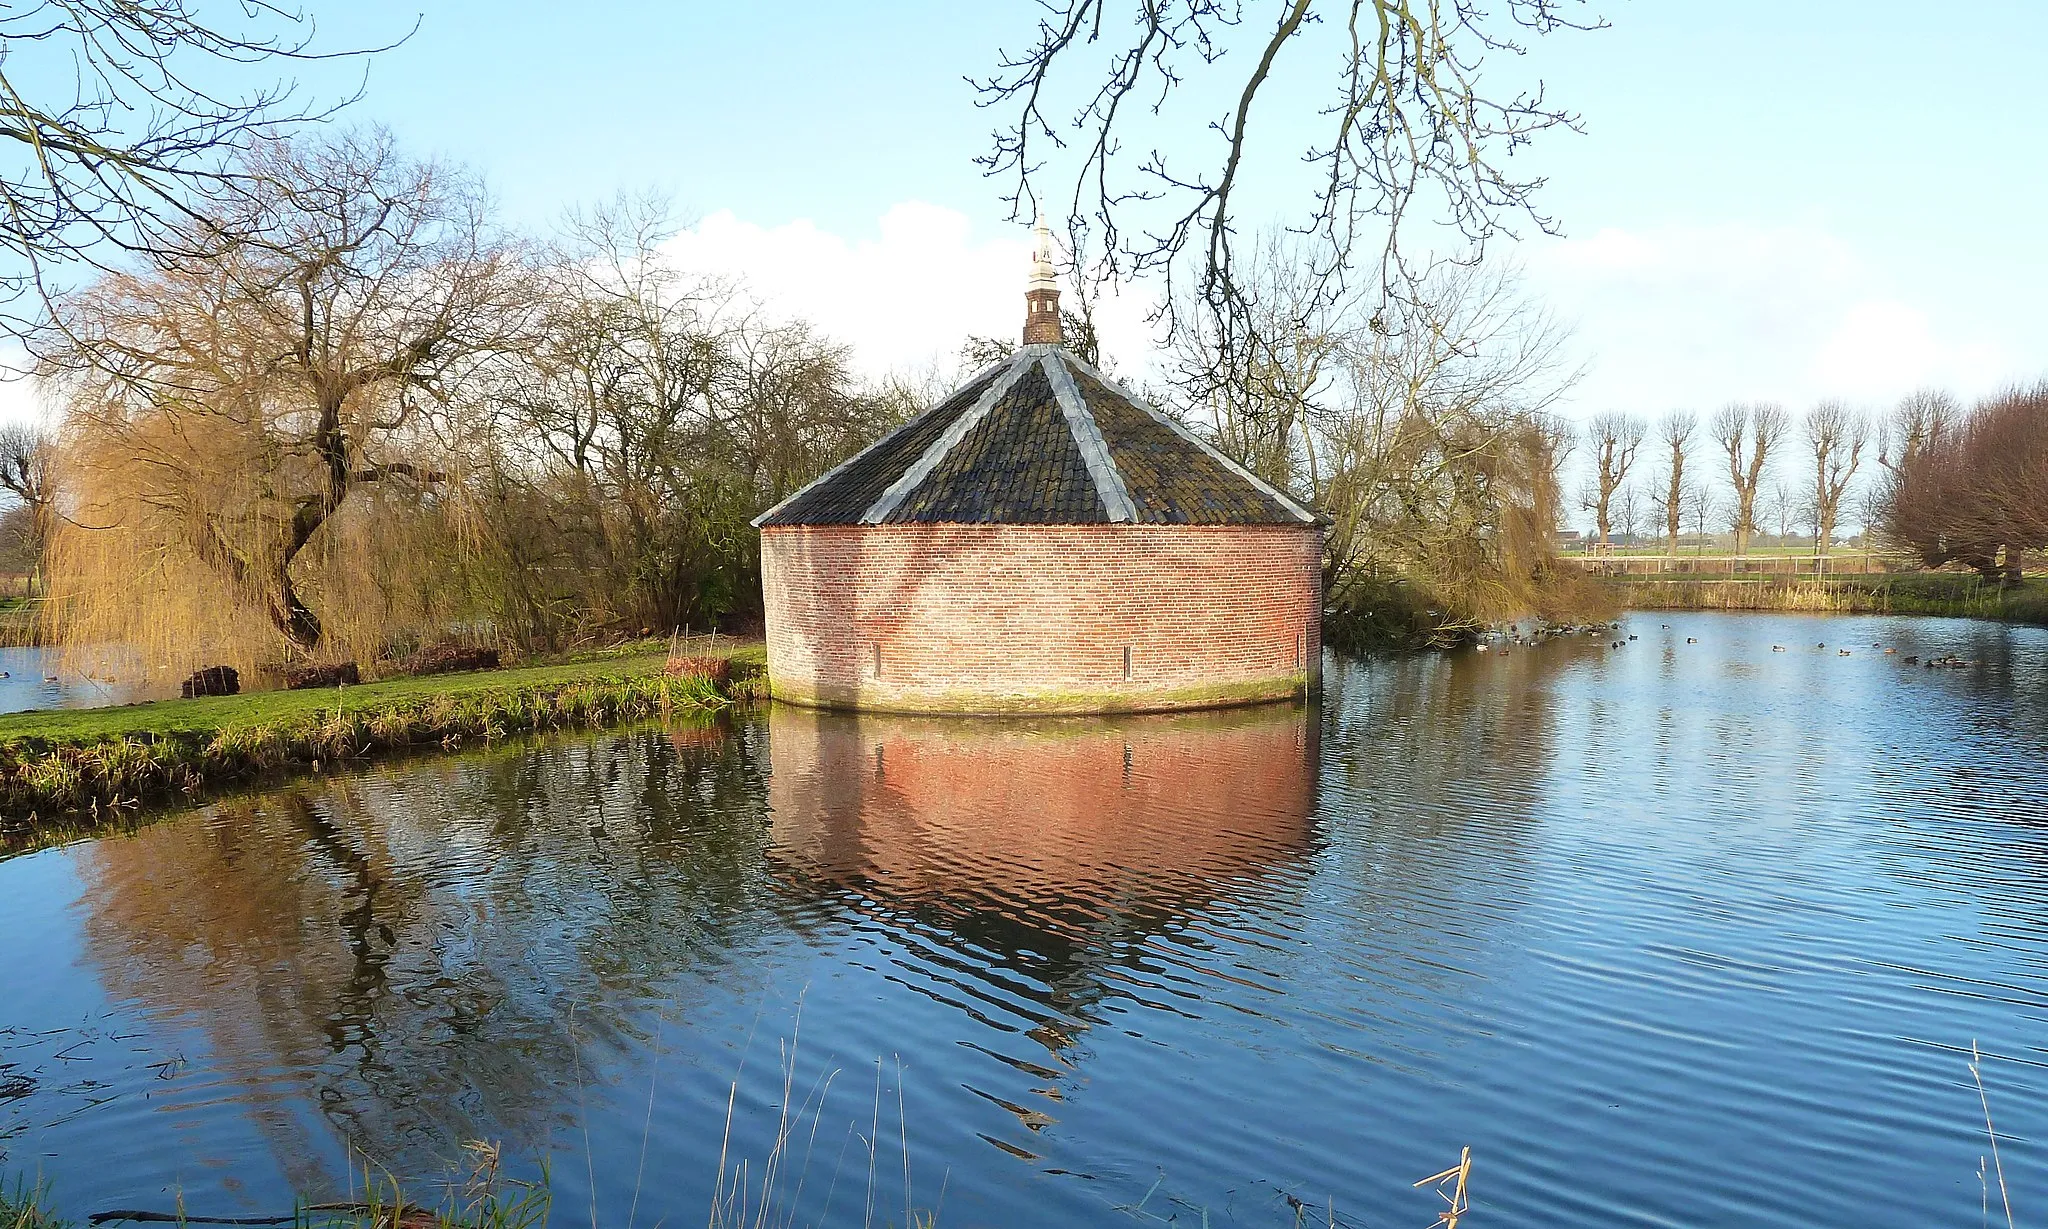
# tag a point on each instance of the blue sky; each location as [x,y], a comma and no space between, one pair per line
[1773,200]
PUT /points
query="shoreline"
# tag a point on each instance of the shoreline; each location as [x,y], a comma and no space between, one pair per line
[86,767]
[1950,595]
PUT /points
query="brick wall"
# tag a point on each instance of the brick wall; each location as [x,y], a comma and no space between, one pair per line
[997,618]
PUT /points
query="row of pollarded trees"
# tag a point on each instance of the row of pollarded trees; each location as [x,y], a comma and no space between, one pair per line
[1744,444]
[1969,486]
[341,409]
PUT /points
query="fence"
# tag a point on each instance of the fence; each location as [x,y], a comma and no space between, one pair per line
[1846,563]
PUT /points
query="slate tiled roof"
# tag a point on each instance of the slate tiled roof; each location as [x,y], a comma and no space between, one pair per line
[1039,439]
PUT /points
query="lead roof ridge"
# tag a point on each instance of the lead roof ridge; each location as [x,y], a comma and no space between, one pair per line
[887,438]
[1286,501]
[935,453]
[1102,468]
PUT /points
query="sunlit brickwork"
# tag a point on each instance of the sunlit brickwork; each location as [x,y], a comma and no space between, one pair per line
[1042,618]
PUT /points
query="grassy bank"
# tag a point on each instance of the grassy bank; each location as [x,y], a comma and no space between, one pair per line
[1930,593]
[97,761]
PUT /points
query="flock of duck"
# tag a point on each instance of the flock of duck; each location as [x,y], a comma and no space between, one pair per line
[1503,641]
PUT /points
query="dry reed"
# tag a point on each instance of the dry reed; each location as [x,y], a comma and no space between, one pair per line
[2004,1194]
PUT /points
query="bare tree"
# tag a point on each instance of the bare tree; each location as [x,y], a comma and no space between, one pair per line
[1749,434]
[124,114]
[1261,407]
[1614,440]
[654,416]
[1408,123]
[1429,445]
[1778,506]
[1837,436]
[239,401]
[26,452]
[1628,510]
[1702,504]
[1975,491]
[1920,418]
[1675,430]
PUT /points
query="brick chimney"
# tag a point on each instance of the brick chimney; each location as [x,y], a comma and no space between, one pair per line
[1042,294]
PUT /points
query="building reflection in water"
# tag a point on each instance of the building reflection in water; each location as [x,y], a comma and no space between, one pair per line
[1047,853]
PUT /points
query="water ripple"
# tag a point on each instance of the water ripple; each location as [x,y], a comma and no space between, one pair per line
[1671,934]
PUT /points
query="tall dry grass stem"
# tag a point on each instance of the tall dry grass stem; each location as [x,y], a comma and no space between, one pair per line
[1450,1184]
[2004,1194]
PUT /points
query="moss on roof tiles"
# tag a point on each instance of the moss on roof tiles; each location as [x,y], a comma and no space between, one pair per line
[1021,464]
[1171,479]
[843,498]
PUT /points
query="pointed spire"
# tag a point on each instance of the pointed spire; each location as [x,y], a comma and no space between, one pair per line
[1042,292]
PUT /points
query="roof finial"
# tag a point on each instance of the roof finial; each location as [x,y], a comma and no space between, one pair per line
[1042,292]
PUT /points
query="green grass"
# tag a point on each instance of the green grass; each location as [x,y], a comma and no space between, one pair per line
[1963,594]
[1050,703]
[21,1207]
[102,761]
[255,708]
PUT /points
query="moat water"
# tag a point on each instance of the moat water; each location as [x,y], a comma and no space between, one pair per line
[1686,932]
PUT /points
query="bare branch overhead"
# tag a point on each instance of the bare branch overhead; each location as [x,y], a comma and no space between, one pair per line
[161,94]
[1407,123]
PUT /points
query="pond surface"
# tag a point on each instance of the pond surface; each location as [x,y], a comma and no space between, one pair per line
[35,678]
[1671,934]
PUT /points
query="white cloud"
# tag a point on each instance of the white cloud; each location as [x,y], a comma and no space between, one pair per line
[904,301]
[1882,346]
[1701,315]
[20,396]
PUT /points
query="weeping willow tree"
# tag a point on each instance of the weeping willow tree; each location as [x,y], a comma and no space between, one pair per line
[1421,428]
[258,458]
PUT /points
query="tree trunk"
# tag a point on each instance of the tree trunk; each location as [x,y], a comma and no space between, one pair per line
[291,616]
[1674,509]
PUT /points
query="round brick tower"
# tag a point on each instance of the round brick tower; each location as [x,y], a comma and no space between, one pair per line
[1041,541]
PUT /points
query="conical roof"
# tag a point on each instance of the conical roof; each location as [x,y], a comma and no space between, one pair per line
[1041,438]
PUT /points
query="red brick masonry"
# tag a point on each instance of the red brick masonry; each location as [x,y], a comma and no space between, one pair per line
[1042,618]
